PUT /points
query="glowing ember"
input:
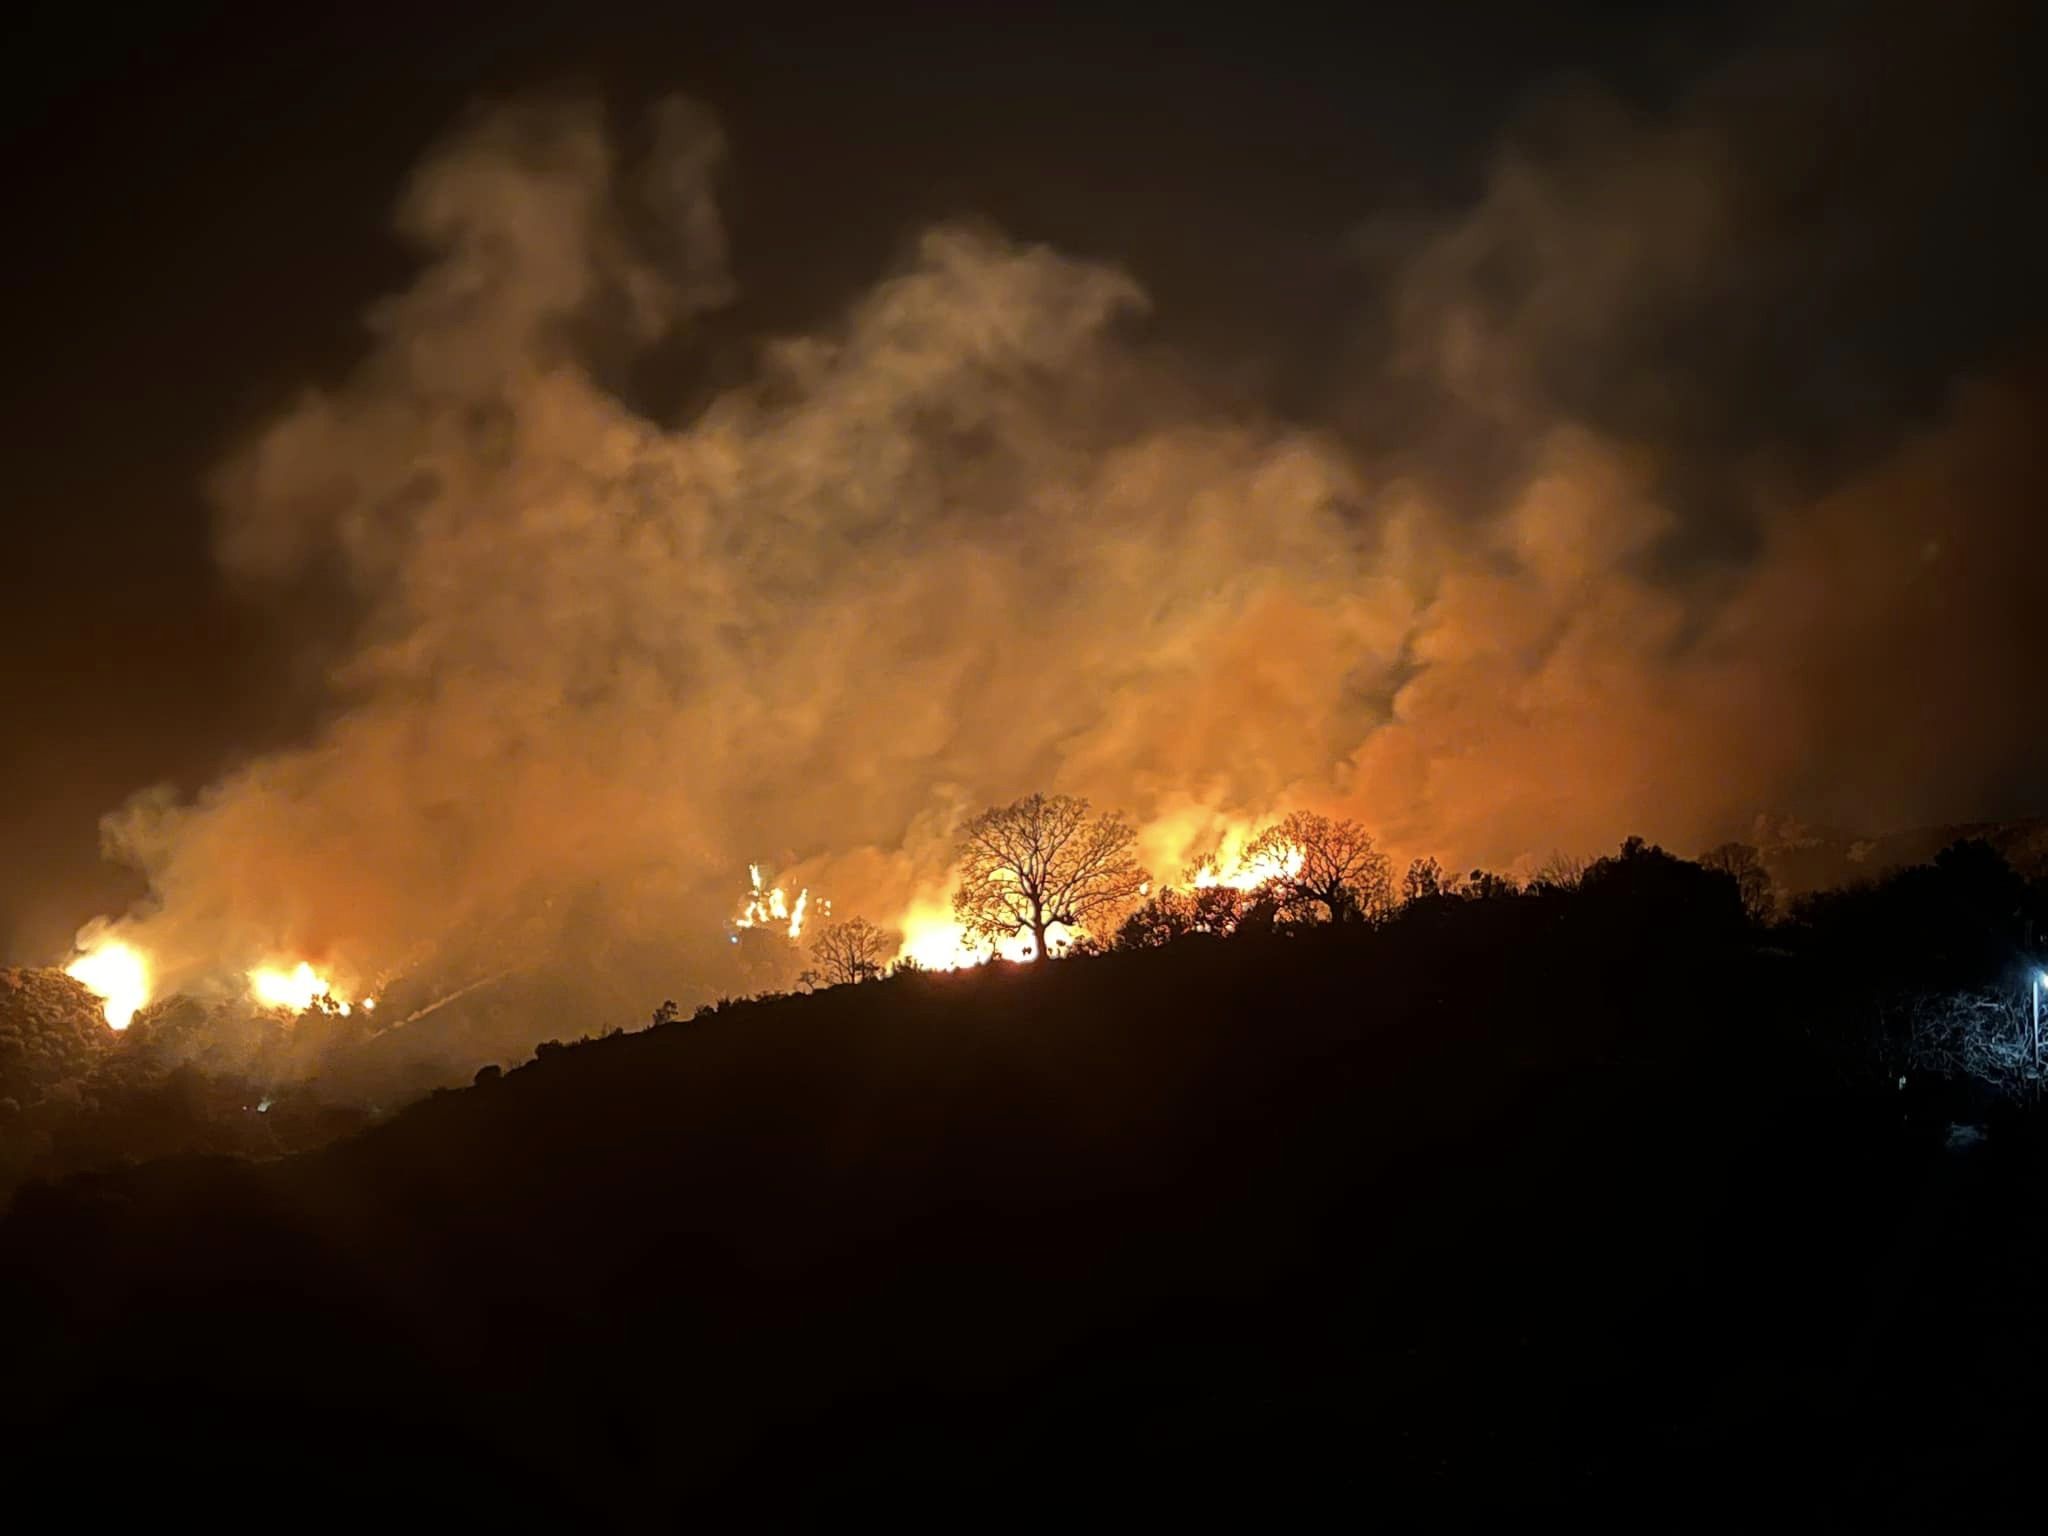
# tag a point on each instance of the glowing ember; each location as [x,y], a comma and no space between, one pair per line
[118,975]
[297,989]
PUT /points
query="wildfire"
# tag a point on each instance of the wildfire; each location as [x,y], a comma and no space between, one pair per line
[300,988]
[933,941]
[1241,874]
[117,974]
[937,944]
[772,907]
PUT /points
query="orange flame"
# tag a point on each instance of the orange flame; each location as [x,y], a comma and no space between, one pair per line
[933,941]
[117,974]
[1240,873]
[764,907]
[299,988]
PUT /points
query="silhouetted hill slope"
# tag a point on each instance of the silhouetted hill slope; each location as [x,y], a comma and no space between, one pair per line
[1526,1204]
[1802,858]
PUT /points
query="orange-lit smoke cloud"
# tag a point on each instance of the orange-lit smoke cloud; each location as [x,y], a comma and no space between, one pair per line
[982,537]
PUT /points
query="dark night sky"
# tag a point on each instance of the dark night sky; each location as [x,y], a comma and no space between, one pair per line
[198,214]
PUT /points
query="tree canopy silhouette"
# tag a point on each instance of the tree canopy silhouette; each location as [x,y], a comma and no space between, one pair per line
[1560,872]
[1173,913]
[850,951]
[1426,881]
[1644,891]
[1045,861]
[1745,867]
[1339,872]
[1485,885]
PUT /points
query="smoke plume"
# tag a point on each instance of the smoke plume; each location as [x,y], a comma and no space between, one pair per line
[1592,540]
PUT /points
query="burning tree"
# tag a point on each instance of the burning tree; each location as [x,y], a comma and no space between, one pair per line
[855,950]
[1044,862]
[1338,872]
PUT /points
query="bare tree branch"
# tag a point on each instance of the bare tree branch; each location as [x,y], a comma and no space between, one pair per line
[1337,872]
[1742,864]
[1045,862]
[851,951]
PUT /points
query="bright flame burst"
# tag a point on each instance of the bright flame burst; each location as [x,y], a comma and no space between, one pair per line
[933,941]
[772,907]
[118,975]
[300,988]
[1242,874]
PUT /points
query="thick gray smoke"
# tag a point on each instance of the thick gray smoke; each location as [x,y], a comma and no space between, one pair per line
[983,536]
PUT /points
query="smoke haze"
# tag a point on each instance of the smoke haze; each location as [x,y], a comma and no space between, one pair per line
[1607,528]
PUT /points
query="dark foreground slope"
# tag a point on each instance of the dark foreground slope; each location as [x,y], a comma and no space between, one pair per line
[1495,1214]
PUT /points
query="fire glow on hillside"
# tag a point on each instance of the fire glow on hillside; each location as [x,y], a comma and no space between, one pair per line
[122,977]
[116,973]
[297,988]
[934,939]
[595,652]
[1243,872]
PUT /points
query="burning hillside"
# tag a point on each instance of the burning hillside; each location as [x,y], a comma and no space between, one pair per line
[981,534]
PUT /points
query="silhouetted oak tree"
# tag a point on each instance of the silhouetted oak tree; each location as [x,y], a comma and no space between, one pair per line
[854,950]
[1041,861]
[1341,872]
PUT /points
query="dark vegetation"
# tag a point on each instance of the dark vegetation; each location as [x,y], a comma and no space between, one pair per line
[182,1079]
[1599,1193]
